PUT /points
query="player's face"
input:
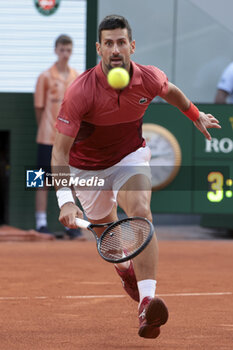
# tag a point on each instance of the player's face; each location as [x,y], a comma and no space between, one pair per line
[63,52]
[115,49]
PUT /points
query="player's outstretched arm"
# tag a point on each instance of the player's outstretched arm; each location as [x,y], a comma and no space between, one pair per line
[201,120]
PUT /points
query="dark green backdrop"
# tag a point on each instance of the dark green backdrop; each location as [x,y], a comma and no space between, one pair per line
[17,117]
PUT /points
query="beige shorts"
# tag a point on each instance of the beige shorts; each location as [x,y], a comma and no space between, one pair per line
[98,203]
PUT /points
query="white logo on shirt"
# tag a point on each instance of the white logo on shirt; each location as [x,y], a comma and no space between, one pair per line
[142,100]
[63,120]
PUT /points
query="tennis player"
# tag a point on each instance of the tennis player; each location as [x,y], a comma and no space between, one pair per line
[99,129]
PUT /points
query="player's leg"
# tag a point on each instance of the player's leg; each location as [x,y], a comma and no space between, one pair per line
[41,210]
[125,270]
[100,207]
[43,161]
[134,198]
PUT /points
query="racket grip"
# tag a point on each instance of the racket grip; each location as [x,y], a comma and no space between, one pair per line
[82,223]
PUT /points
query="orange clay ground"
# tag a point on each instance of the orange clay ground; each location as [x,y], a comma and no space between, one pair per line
[61,295]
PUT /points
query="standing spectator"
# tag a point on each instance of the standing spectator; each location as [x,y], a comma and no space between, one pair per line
[225,86]
[50,89]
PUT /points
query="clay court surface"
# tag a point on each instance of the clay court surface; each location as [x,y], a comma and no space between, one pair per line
[61,295]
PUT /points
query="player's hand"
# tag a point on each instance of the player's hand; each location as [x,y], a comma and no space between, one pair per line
[206,121]
[69,211]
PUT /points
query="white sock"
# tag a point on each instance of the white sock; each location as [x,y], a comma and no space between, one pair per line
[146,289]
[41,219]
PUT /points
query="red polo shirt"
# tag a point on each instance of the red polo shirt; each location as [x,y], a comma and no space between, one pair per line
[107,124]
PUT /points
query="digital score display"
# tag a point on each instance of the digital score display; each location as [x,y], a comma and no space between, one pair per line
[214,162]
[216,183]
[212,190]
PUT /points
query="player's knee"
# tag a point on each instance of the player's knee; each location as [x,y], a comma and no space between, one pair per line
[142,210]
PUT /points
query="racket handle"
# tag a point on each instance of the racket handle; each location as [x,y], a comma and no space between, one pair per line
[82,223]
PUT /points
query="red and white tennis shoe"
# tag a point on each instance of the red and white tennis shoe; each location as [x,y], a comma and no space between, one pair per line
[152,314]
[129,281]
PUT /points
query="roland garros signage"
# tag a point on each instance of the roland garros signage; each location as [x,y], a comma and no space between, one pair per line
[47,7]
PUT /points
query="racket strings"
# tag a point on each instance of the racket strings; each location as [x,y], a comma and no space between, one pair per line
[124,239]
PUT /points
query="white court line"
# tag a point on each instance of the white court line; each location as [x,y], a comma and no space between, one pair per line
[63,297]
[193,294]
[14,298]
[40,298]
[159,295]
[99,283]
[111,296]
[92,296]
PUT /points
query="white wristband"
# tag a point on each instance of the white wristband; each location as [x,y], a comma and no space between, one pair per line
[64,195]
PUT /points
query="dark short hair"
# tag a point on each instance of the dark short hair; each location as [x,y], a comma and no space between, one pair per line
[114,22]
[64,40]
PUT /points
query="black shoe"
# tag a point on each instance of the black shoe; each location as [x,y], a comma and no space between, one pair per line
[44,229]
[73,233]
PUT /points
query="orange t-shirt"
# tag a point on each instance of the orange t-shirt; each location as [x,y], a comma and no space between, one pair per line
[49,93]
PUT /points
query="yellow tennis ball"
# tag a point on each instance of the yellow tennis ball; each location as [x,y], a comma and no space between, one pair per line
[118,78]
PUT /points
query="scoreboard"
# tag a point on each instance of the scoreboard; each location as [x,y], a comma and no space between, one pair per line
[203,181]
[216,157]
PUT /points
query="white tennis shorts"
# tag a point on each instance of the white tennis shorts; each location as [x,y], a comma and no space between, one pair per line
[98,203]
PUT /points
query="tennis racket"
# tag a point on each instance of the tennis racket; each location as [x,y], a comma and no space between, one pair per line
[122,240]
